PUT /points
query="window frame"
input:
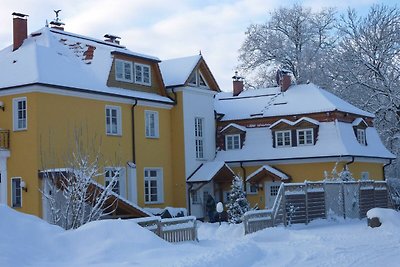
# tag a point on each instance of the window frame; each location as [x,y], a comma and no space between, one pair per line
[362,136]
[118,120]
[123,62]
[305,130]
[198,78]
[232,136]
[14,193]
[107,179]
[16,113]
[249,188]
[141,79]
[147,124]
[159,179]
[283,138]
[199,137]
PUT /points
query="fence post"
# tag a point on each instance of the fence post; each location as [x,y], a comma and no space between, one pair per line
[306,199]
[284,205]
[343,201]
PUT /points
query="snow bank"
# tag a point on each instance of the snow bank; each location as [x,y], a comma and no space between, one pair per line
[28,241]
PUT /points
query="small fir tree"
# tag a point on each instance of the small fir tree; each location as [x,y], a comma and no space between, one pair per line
[237,203]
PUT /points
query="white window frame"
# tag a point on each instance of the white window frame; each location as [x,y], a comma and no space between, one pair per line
[232,145]
[151,124]
[251,189]
[16,114]
[307,142]
[142,70]
[14,192]
[197,77]
[199,137]
[362,136]
[109,125]
[283,138]
[124,73]
[114,171]
[196,197]
[159,185]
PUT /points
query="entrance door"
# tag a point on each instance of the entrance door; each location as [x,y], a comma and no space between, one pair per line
[270,193]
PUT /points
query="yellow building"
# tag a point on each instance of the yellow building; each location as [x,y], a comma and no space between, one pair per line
[163,128]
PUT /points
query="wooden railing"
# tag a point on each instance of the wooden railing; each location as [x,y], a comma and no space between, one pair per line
[172,230]
[304,202]
[4,139]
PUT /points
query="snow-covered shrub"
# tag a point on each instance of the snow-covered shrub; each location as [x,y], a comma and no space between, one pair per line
[394,190]
[238,204]
[344,175]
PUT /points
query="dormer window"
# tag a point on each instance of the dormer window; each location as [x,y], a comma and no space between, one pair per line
[305,137]
[232,141]
[142,74]
[361,137]
[123,71]
[360,126]
[283,138]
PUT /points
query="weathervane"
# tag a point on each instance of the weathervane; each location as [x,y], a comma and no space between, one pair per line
[57,18]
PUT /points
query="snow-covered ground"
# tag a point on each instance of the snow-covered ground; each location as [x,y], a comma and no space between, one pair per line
[28,241]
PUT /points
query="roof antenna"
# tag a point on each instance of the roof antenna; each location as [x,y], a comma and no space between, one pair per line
[200,52]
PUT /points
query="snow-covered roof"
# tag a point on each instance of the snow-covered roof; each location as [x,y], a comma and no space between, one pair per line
[207,171]
[335,139]
[269,102]
[357,122]
[270,169]
[292,123]
[54,57]
[237,126]
[176,71]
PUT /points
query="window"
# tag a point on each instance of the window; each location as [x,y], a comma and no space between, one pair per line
[251,188]
[142,74]
[361,138]
[151,124]
[153,186]
[305,137]
[123,71]
[20,114]
[274,190]
[232,141]
[113,175]
[195,197]
[283,138]
[197,79]
[16,192]
[198,134]
[113,120]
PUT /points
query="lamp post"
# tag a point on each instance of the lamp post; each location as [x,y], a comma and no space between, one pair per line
[220,209]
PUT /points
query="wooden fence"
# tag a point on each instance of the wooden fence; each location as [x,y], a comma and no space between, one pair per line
[304,202]
[172,230]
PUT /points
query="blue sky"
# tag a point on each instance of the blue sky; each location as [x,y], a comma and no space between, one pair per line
[166,29]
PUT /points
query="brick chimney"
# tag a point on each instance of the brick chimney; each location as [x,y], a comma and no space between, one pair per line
[284,79]
[237,84]
[20,29]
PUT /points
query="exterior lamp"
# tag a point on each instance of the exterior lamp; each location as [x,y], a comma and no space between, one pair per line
[23,186]
[2,105]
[220,209]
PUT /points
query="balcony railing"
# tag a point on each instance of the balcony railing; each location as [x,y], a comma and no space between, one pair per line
[4,139]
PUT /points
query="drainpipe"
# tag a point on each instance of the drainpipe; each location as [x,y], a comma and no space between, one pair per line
[133,131]
[175,96]
[189,199]
[244,176]
[383,169]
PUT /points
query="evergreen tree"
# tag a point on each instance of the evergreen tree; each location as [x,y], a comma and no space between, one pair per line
[238,203]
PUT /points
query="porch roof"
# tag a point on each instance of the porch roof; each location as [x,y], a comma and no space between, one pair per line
[213,170]
[266,170]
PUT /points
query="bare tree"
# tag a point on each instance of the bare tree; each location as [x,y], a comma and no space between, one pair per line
[366,69]
[73,193]
[295,39]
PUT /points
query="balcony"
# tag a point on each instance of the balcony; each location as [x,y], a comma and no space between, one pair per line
[4,139]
